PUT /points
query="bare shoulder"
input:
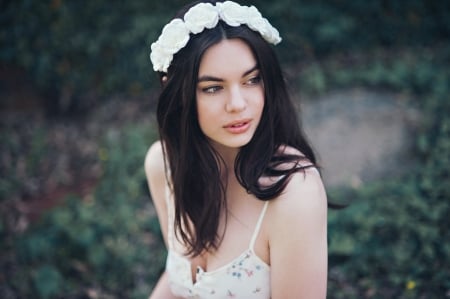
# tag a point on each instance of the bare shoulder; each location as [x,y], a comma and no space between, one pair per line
[303,203]
[157,183]
[305,188]
[297,237]
[154,161]
[304,195]
[155,172]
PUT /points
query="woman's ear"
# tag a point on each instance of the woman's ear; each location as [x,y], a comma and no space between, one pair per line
[163,80]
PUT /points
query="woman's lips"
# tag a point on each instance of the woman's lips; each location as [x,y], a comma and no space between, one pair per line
[238,127]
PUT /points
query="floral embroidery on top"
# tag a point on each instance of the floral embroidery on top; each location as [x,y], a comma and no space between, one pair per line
[247,276]
[242,268]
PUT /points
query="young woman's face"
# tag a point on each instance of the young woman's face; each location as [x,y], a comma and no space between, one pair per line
[230,94]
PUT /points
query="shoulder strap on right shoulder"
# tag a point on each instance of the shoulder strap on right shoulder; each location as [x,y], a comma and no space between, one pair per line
[258,225]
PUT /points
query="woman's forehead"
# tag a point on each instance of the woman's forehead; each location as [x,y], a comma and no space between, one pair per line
[228,57]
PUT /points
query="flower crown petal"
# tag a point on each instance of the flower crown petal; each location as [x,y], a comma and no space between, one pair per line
[201,16]
[232,13]
[175,35]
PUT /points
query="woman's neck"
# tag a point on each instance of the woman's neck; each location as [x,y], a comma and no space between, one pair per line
[228,157]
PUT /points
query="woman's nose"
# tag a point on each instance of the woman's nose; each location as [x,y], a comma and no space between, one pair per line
[236,101]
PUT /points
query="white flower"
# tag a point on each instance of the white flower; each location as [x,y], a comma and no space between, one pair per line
[160,58]
[232,13]
[268,32]
[257,23]
[253,14]
[174,36]
[201,16]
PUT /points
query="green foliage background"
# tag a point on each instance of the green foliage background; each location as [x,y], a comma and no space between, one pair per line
[71,48]
[391,242]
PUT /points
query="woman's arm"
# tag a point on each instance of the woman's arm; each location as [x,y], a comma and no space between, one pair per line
[156,178]
[298,239]
[161,290]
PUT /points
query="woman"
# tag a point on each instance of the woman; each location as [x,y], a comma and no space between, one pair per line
[240,202]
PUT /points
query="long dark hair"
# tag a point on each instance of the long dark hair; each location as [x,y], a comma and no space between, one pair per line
[195,167]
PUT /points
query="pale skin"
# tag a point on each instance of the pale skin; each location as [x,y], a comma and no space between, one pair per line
[293,235]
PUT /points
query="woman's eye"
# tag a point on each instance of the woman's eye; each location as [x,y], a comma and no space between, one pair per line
[254,80]
[211,89]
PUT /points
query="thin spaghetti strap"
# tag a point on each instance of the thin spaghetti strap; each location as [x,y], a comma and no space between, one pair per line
[258,225]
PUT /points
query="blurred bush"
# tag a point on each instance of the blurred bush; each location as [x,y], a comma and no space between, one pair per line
[78,51]
[391,241]
[106,244]
[318,28]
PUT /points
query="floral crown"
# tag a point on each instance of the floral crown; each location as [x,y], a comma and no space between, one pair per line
[175,35]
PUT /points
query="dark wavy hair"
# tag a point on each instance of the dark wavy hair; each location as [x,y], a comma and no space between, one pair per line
[195,167]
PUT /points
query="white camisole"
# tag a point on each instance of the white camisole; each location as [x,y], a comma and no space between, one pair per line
[246,276]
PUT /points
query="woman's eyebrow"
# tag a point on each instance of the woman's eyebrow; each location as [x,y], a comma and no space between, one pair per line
[209,78]
[256,67]
[216,79]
